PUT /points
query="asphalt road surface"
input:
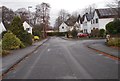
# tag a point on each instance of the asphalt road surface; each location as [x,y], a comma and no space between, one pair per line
[65,59]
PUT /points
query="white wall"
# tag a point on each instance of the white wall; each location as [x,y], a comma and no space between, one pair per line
[2,28]
[89,26]
[95,25]
[103,22]
[63,28]
[86,25]
[26,25]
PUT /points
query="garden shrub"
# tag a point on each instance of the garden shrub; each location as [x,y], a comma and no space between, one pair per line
[114,42]
[101,33]
[26,38]
[10,41]
[113,27]
[74,33]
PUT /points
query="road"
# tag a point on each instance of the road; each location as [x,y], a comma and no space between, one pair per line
[65,59]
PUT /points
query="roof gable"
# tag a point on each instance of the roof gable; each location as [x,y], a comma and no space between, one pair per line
[2,27]
[25,24]
[63,24]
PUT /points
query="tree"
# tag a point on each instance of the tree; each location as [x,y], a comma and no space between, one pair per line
[23,13]
[89,9]
[113,27]
[63,15]
[17,28]
[7,16]
[43,11]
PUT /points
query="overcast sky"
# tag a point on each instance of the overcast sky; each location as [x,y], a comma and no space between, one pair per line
[56,5]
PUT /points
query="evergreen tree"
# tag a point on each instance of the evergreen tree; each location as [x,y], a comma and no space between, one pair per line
[17,28]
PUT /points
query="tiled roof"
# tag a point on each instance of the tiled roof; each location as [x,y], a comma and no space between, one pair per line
[107,12]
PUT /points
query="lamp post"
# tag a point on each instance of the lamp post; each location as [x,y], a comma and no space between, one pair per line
[29,12]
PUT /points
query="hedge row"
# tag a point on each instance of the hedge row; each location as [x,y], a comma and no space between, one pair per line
[56,33]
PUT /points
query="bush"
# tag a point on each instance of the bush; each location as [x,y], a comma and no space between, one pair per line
[37,33]
[36,38]
[56,33]
[10,41]
[114,42]
[74,33]
[26,38]
[101,33]
[4,32]
[5,52]
[113,27]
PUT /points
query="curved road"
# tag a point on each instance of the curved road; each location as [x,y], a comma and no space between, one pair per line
[65,59]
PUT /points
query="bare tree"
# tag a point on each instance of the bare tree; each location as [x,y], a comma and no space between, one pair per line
[62,17]
[7,16]
[43,12]
[89,9]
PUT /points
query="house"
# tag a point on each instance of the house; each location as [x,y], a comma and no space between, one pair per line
[98,19]
[27,27]
[87,22]
[103,17]
[63,27]
[2,27]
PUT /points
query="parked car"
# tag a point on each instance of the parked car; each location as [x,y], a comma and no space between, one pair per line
[82,35]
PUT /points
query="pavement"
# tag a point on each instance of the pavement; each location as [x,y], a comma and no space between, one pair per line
[105,49]
[17,55]
[101,47]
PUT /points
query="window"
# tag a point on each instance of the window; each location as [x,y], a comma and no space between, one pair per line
[96,20]
[27,29]
[91,21]
[63,27]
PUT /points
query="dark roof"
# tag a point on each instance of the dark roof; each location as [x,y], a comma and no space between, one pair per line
[80,19]
[107,12]
[89,16]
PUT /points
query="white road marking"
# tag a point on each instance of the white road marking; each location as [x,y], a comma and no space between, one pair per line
[48,50]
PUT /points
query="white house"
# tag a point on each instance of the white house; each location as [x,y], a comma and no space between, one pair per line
[103,17]
[63,27]
[98,19]
[2,27]
[27,27]
[87,22]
